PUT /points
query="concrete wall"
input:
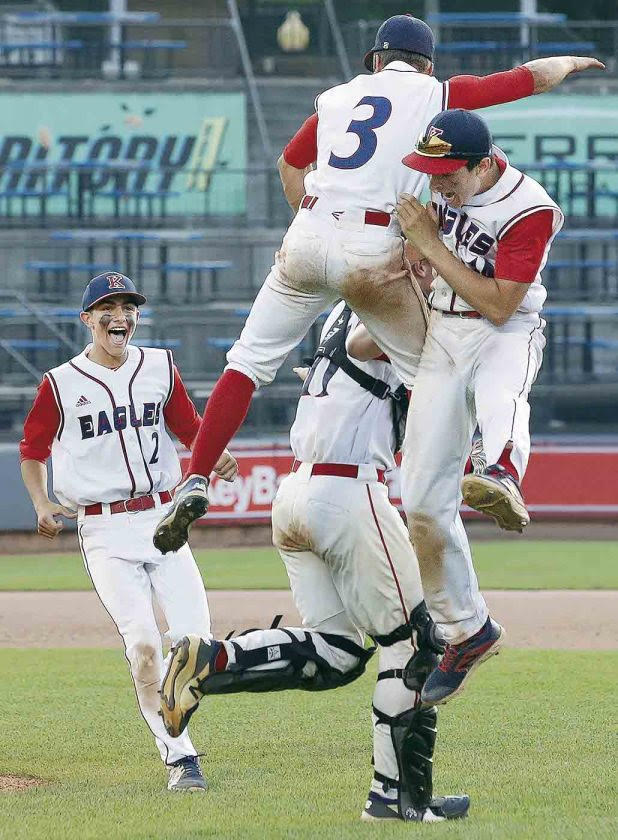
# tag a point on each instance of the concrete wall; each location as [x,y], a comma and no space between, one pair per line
[16,512]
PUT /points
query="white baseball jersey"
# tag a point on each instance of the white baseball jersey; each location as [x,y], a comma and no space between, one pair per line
[112,442]
[338,421]
[473,232]
[365,128]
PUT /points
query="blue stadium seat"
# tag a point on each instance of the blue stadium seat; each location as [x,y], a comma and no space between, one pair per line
[32,343]
[565,47]
[193,270]
[166,343]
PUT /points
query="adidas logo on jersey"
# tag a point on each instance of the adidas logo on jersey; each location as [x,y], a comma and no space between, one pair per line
[82,401]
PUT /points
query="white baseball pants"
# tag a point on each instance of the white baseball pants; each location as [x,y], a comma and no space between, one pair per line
[126,571]
[470,372]
[352,571]
[323,259]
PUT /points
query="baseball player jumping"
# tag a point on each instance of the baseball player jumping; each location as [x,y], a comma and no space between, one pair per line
[104,418]
[352,572]
[487,238]
[345,241]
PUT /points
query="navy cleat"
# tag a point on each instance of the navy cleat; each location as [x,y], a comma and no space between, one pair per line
[459,661]
[190,502]
[191,661]
[495,492]
[186,775]
[378,808]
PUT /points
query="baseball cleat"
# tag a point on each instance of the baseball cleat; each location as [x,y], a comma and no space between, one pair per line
[186,775]
[378,808]
[191,661]
[496,493]
[190,502]
[459,661]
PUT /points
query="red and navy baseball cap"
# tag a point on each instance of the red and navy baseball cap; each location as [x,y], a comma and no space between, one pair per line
[452,139]
[105,285]
[403,32]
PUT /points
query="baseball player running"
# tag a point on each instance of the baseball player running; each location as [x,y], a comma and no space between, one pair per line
[352,572]
[344,240]
[487,239]
[104,418]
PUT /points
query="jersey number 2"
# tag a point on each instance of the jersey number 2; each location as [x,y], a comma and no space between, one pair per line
[365,131]
[155,454]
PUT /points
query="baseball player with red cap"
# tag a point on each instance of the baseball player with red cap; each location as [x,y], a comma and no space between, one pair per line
[343,173]
[104,417]
[486,236]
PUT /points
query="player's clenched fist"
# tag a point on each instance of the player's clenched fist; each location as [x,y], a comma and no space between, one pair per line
[418,224]
[47,525]
[227,466]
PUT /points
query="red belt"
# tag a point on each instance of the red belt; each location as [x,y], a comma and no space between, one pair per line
[464,314]
[130,505]
[372,217]
[341,470]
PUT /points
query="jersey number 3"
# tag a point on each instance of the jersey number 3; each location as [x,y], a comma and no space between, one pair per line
[365,131]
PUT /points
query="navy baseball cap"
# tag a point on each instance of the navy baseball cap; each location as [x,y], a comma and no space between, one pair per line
[452,139]
[403,32]
[105,285]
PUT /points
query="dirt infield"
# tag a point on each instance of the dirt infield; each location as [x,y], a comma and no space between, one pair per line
[565,619]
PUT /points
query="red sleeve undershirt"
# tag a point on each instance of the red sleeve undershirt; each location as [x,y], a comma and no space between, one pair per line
[180,414]
[40,425]
[43,420]
[521,249]
[303,147]
[463,92]
[472,92]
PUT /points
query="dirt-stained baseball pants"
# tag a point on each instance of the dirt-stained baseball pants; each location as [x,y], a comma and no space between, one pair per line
[470,372]
[126,570]
[322,259]
[352,571]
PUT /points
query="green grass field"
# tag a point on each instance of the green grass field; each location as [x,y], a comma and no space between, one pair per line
[527,564]
[532,741]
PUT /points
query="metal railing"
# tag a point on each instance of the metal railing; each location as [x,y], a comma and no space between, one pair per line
[134,193]
[131,192]
[468,44]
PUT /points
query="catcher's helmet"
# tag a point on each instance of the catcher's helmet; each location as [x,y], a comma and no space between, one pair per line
[402,32]
[105,285]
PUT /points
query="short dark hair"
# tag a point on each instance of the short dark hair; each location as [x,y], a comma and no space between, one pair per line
[474,162]
[416,60]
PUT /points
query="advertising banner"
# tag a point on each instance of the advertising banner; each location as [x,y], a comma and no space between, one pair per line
[127,142]
[549,486]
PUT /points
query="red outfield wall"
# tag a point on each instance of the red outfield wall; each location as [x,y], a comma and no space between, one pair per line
[562,482]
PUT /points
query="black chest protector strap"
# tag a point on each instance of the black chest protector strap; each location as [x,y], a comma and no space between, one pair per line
[333,349]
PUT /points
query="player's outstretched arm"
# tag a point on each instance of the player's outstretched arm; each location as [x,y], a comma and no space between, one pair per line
[34,474]
[548,73]
[538,76]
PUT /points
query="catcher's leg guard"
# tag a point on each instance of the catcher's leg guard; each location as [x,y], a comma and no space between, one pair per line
[412,732]
[414,737]
[290,660]
[429,648]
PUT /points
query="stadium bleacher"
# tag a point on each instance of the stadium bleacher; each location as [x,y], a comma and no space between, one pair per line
[201,255]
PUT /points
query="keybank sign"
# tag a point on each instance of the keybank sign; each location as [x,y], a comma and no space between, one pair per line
[136,142]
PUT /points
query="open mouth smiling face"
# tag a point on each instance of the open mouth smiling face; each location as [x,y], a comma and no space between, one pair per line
[113,322]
